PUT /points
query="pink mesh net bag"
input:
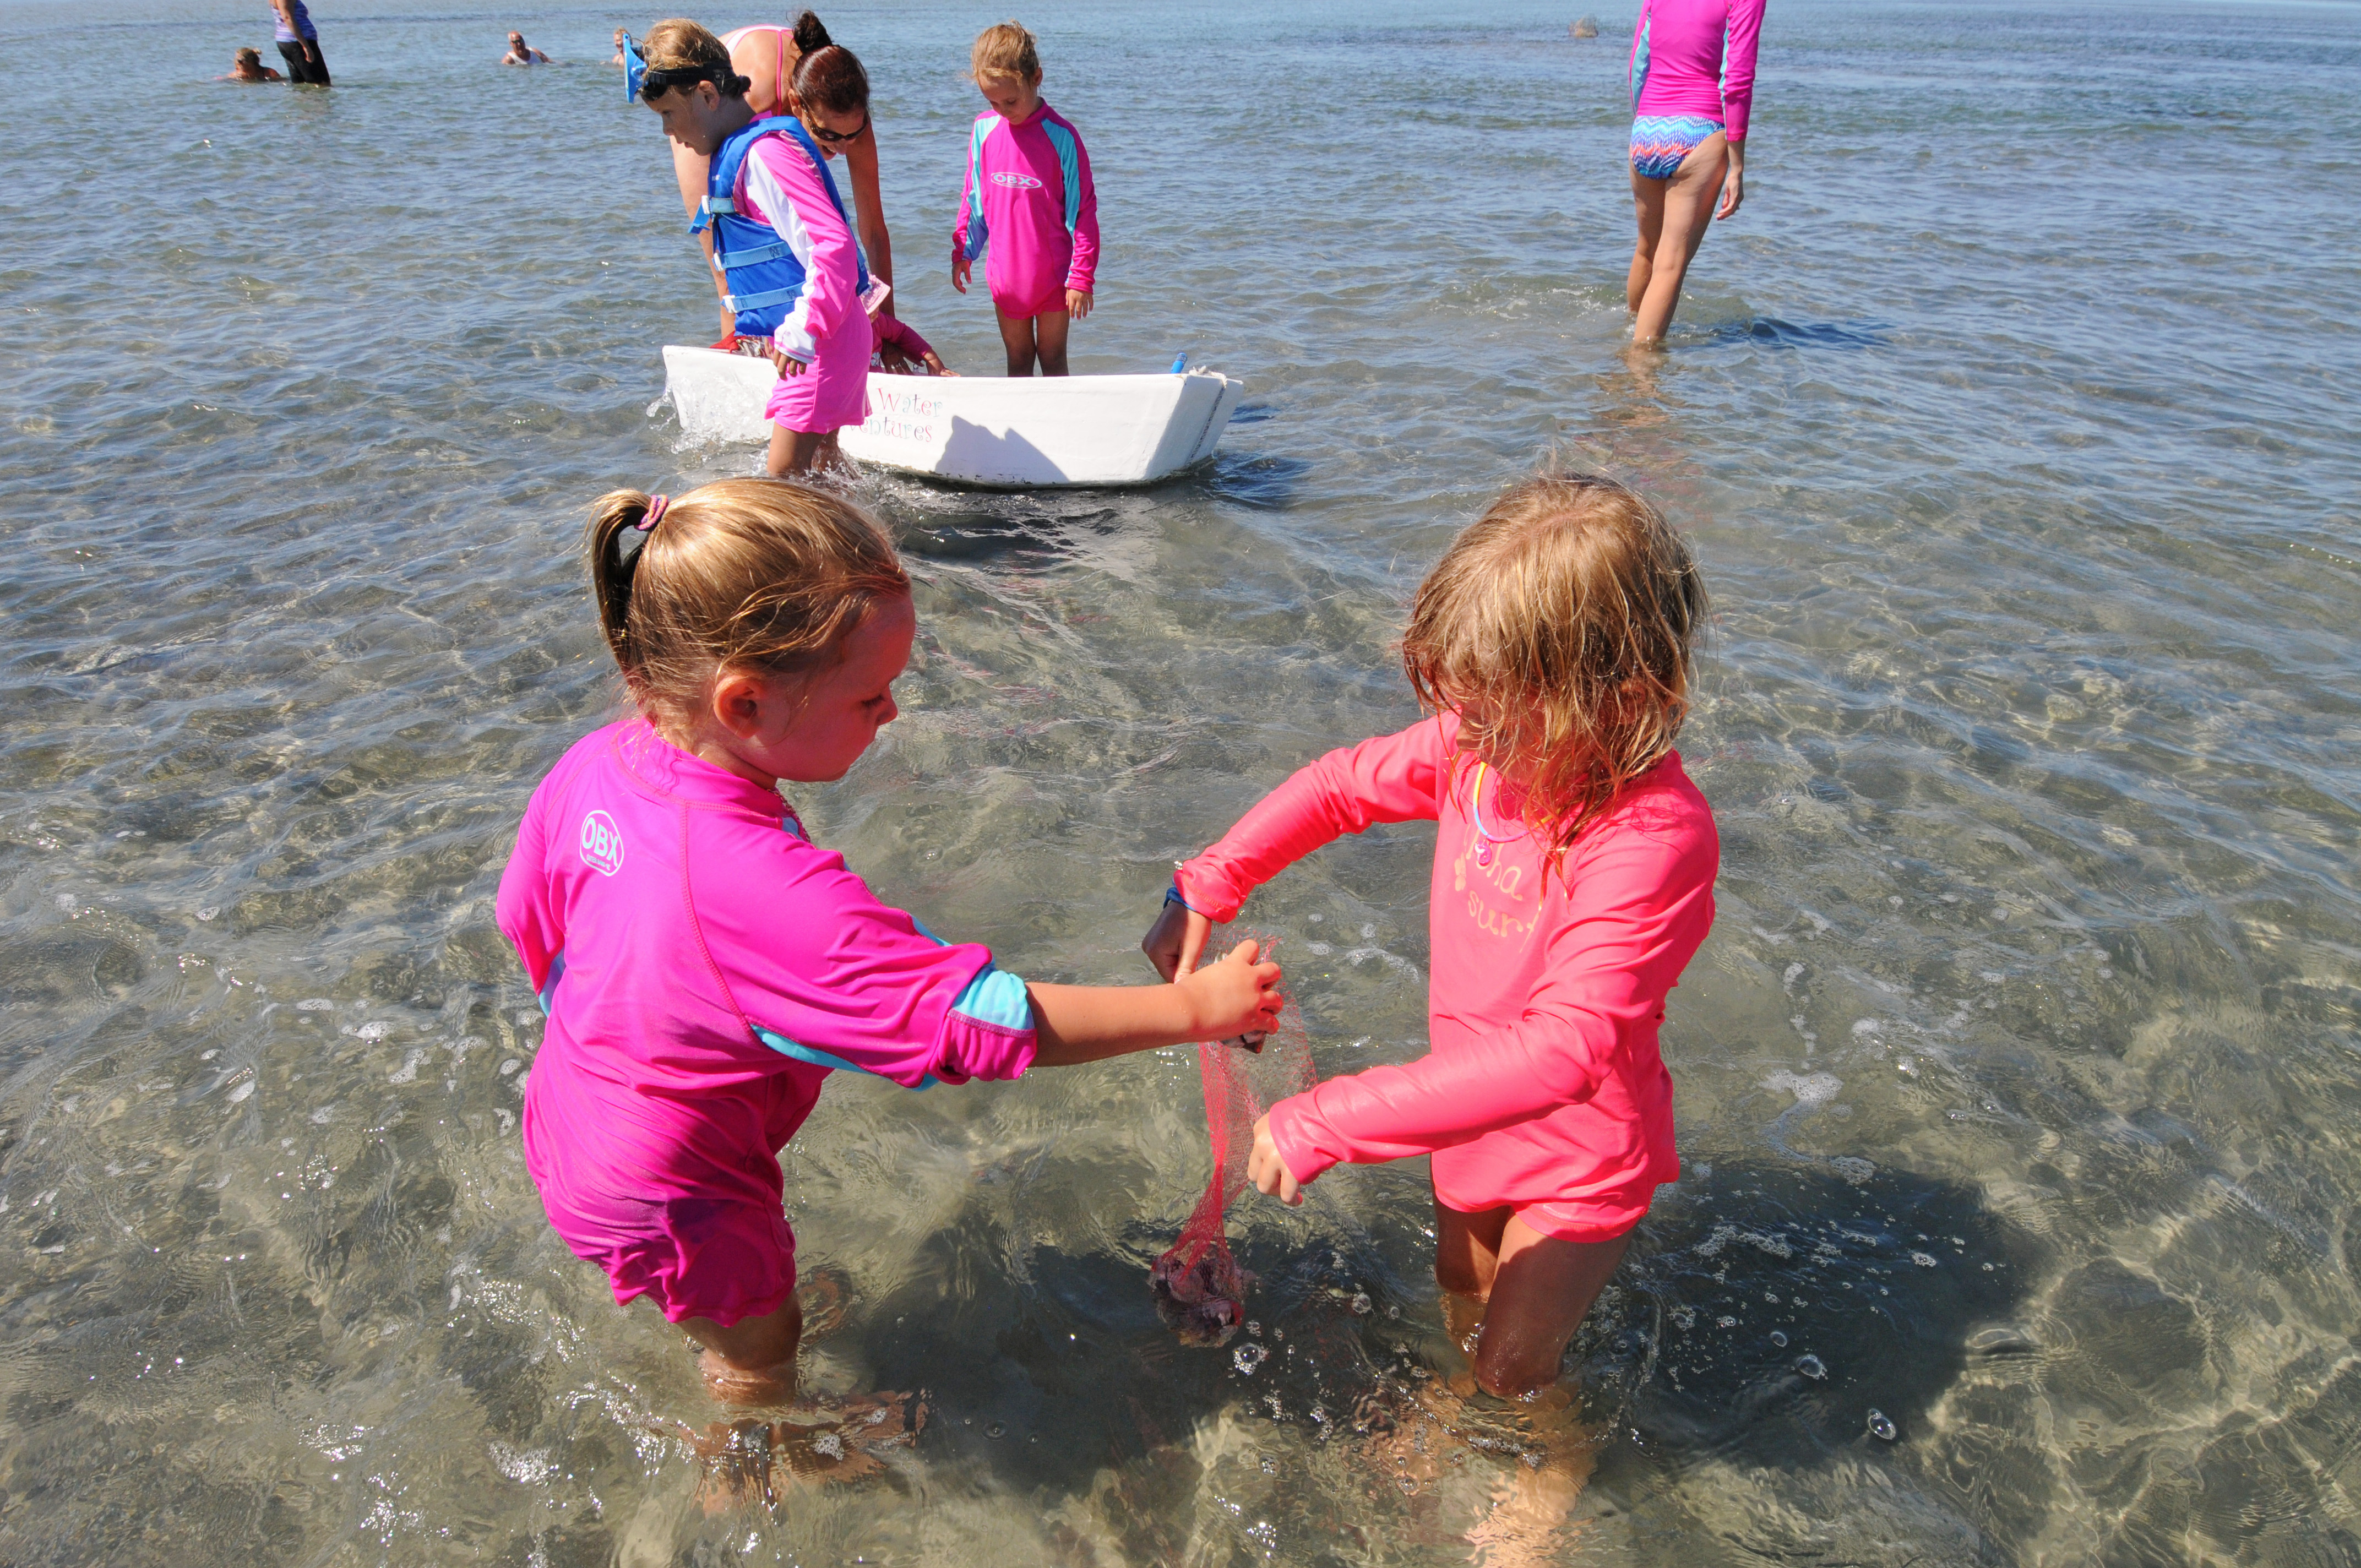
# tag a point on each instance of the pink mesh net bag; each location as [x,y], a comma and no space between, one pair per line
[1200,1288]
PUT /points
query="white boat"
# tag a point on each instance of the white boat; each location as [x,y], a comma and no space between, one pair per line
[1006,433]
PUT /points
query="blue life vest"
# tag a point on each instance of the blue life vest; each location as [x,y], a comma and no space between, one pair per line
[764,278]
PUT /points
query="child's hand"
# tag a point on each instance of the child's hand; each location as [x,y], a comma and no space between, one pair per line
[1235,996]
[1267,1171]
[787,363]
[935,364]
[1177,940]
[960,267]
[1078,303]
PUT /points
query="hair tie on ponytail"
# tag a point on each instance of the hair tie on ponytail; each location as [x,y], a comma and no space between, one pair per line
[628,541]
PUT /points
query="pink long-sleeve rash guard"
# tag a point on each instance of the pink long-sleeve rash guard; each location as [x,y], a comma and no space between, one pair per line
[1543,1084]
[704,966]
[1029,208]
[780,185]
[1696,57]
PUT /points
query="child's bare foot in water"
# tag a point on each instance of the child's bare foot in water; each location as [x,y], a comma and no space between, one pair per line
[743,1463]
[734,1464]
[1529,1508]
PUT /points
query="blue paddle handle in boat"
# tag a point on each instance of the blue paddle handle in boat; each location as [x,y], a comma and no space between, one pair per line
[1181,364]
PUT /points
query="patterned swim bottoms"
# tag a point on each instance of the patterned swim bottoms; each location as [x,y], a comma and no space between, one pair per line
[1659,142]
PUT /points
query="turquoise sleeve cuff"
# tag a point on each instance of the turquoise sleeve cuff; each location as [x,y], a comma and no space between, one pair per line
[996,997]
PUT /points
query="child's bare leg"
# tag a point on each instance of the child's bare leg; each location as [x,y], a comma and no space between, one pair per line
[1647,208]
[751,1362]
[1466,1256]
[798,452]
[1017,341]
[1541,1290]
[1050,330]
[1686,209]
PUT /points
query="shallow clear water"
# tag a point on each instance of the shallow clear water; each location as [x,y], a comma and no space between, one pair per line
[2011,421]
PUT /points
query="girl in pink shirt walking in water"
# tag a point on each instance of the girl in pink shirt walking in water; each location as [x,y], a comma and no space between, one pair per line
[704,964]
[1691,86]
[1028,207]
[1573,875]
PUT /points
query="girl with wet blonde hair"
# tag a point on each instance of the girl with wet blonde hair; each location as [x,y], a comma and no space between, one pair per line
[1552,645]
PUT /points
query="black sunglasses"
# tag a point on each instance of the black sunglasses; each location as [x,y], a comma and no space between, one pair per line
[835,138]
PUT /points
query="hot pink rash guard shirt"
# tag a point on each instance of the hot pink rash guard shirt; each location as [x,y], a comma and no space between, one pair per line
[1696,57]
[1028,208]
[779,185]
[1543,1084]
[704,965]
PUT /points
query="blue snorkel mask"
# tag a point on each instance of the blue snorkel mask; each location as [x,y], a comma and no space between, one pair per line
[635,67]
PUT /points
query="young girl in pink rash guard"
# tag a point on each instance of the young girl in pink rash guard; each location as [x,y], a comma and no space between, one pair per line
[1574,874]
[1028,207]
[704,964]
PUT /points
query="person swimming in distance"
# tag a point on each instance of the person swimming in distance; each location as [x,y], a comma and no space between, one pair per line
[619,61]
[246,66]
[522,53]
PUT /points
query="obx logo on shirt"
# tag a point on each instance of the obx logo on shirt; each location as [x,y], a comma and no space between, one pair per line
[1017,182]
[601,844]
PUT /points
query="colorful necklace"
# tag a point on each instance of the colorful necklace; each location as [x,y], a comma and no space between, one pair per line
[1485,837]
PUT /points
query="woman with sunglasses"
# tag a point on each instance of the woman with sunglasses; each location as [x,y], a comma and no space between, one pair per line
[797,70]
[790,273]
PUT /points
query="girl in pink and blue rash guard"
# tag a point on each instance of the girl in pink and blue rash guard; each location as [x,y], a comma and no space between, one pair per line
[704,964]
[1027,207]
[1573,870]
[1692,87]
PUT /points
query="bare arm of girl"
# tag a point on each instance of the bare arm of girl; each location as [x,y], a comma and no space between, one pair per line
[1090,1022]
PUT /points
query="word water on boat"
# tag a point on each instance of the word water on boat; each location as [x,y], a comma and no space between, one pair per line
[1011,433]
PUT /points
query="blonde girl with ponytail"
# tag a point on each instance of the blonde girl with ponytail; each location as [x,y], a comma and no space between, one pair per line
[704,964]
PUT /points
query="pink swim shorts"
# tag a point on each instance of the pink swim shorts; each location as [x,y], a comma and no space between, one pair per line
[833,390]
[722,1259]
[1018,310]
[1598,1217]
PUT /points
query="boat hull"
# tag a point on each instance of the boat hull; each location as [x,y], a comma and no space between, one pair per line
[1002,432]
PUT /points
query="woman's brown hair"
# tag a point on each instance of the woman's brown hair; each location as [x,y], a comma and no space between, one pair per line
[742,574]
[828,78]
[1561,625]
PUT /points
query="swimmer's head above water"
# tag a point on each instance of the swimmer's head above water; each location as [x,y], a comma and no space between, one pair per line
[1561,625]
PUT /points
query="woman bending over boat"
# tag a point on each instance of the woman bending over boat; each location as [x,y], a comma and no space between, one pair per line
[1692,84]
[790,274]
[797,70]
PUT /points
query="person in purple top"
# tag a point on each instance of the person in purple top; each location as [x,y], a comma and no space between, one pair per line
[1692,84]
[299,42]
